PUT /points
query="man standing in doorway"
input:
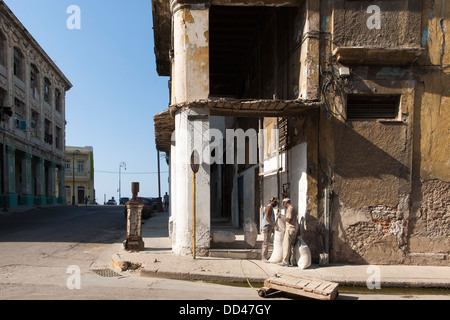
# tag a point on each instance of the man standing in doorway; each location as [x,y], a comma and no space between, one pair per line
[290,232]
[269,226]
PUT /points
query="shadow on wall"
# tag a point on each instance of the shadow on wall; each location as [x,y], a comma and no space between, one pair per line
[372,177]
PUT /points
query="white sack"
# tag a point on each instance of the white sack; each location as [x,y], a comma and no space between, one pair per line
[302,254]
[277,254]
[250,232]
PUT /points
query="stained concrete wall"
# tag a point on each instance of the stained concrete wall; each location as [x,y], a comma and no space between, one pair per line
[391,180]
[430,221]
[398,23]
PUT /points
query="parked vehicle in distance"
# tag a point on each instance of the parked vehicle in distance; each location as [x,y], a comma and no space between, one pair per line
[148,207]
[123,200]
[111,202]
[154,203]
[147,210]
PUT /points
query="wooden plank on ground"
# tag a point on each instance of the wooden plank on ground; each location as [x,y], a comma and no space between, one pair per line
[307,287]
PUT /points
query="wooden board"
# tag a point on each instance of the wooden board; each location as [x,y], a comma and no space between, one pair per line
[306,287]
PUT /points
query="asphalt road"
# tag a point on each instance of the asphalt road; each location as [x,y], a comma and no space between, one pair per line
[63,253]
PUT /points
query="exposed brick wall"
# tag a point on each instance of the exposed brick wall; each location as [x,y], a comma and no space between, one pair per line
[429,240]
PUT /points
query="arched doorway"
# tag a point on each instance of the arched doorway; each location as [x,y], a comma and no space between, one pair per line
[81,194]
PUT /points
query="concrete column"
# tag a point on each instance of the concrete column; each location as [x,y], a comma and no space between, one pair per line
[40,198]
[192,132]
[191,51]
[190,82]
[10,176]
[61,185]
[310,53]
[51,187]
[26,198]
[173,197]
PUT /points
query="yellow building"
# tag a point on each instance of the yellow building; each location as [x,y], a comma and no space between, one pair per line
[79,184]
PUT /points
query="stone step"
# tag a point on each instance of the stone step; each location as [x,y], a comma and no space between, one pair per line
[237,248]
[238,244]
[235,253]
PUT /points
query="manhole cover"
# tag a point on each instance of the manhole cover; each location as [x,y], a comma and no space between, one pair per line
[106,273]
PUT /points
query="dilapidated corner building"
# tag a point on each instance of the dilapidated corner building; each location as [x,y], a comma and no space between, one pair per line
[359,93]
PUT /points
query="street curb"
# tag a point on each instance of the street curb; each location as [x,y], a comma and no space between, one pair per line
[122,265]
[198,276]
[236,279]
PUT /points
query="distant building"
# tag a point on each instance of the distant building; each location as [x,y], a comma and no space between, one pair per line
[32,126]
[79,175]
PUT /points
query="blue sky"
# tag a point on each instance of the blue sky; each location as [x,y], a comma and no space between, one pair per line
[116,91]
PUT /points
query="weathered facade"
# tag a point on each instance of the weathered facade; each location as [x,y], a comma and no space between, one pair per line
[358,93]
[32,96]
[79,168]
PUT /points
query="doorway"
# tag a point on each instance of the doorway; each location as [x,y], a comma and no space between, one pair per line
[81,195]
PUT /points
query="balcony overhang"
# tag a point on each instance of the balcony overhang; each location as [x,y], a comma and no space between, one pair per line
[165,121]
[162,28]
[164,126]
[267,3]
[377,56]
[250,108]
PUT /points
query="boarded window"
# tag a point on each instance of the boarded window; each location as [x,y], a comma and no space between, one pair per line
[2,97]
[47,90]
[34,82]
[372,107]
[34,123]
[2,49]
[48,136]
[283,134]
[18,64]
[58,100]
[58,139]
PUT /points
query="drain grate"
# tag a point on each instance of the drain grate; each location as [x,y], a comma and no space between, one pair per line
[108,273]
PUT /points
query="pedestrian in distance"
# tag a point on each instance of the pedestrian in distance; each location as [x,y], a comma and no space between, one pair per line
[290,231]
[166,202]
[269,226]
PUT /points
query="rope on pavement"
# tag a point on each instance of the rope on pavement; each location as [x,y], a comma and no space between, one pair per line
[248,281]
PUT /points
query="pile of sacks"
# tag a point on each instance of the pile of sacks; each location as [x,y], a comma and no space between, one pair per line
[302,253]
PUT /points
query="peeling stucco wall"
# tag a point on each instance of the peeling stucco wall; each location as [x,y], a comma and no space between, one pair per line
[391,181]
[429,226]
[398,23]
[191,55]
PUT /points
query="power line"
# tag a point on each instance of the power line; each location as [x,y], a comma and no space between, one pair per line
[135,173]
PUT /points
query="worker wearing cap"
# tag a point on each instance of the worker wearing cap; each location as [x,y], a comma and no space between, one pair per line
[269,226]
[290,231]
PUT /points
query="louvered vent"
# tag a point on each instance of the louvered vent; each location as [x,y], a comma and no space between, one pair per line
[283,133]
[372,107]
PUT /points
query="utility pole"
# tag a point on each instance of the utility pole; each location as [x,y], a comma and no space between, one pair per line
[122,164]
